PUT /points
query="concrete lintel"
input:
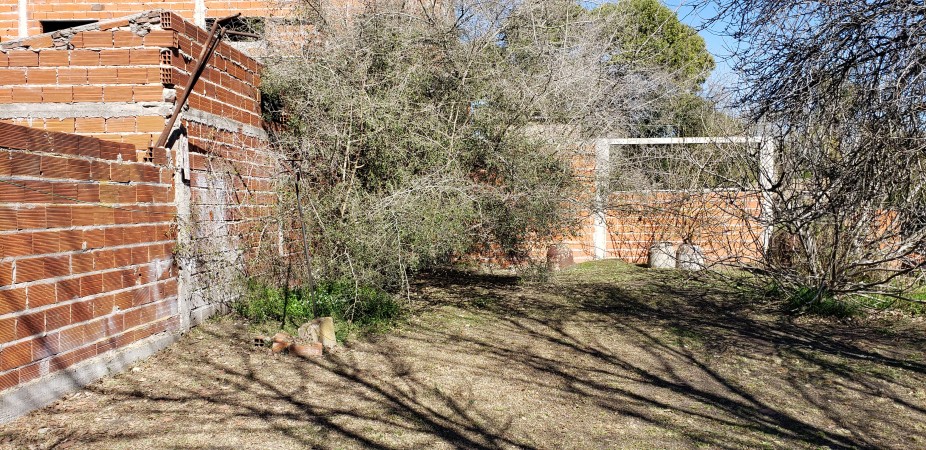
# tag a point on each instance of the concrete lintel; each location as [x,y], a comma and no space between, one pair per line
[42,391]
[80,110]
[684,140]
[223,123]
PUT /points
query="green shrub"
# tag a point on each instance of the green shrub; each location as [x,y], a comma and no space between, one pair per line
[368,308]
[355,309]
[811,300]
[806,300]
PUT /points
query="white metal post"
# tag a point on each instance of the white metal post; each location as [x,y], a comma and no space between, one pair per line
[602,173]
[199,13]
[767,178]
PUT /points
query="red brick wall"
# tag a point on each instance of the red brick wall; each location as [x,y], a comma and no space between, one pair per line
[111,67]
[724,223]
[101,256]
[139,64]
[86,242]
[231,187]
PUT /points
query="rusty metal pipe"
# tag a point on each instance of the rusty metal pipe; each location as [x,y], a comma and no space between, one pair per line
[204,55]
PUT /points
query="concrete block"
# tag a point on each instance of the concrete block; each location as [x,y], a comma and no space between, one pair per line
[309,332]
[326,332]
[662,255]
[559,256]
[690,257]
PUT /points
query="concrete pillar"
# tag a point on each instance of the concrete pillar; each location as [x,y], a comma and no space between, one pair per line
[199,13]
[183,199]
[767,178]
[602,174]
[23,18]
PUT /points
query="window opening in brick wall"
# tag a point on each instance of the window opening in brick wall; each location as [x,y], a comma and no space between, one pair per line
[254,25]
[55,25]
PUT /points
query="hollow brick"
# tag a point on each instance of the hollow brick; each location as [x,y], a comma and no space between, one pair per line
[117,94]
[30,324]
[89,125]
[94,39]
[23,58]
[114,57]
[126,39]
[92,94]
[144,56]
[16,355]
[12,300]
[58,95]
[22,94]
[149,93]
[161,38]
[41,76]
[53,58]
[85,58]
[59,125]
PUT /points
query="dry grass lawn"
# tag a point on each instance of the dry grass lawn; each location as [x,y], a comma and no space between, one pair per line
[607,356]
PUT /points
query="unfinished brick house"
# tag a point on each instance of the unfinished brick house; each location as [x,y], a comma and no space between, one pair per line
[108,245]
[21,18]
[24,18]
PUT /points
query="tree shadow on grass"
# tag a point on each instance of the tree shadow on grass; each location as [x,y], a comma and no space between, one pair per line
[818,360]
[691,363]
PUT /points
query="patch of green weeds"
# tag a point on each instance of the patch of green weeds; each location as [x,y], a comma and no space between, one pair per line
[811,300]
[535,273]
[355,309]
[686,335]
[483,302]
[913,303]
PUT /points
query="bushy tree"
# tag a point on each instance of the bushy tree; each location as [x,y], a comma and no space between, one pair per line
[649,33]
[423,134]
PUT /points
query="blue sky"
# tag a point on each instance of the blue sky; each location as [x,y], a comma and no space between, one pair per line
[720,46]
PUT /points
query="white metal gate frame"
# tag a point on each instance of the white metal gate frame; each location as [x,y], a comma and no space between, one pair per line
[766,176]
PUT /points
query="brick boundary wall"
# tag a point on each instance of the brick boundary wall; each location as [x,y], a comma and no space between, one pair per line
[723,222]
[86,255]
[110,247]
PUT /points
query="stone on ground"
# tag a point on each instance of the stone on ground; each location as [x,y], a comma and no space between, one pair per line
[662,255]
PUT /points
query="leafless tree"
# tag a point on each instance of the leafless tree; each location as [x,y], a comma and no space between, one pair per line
[840,85]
